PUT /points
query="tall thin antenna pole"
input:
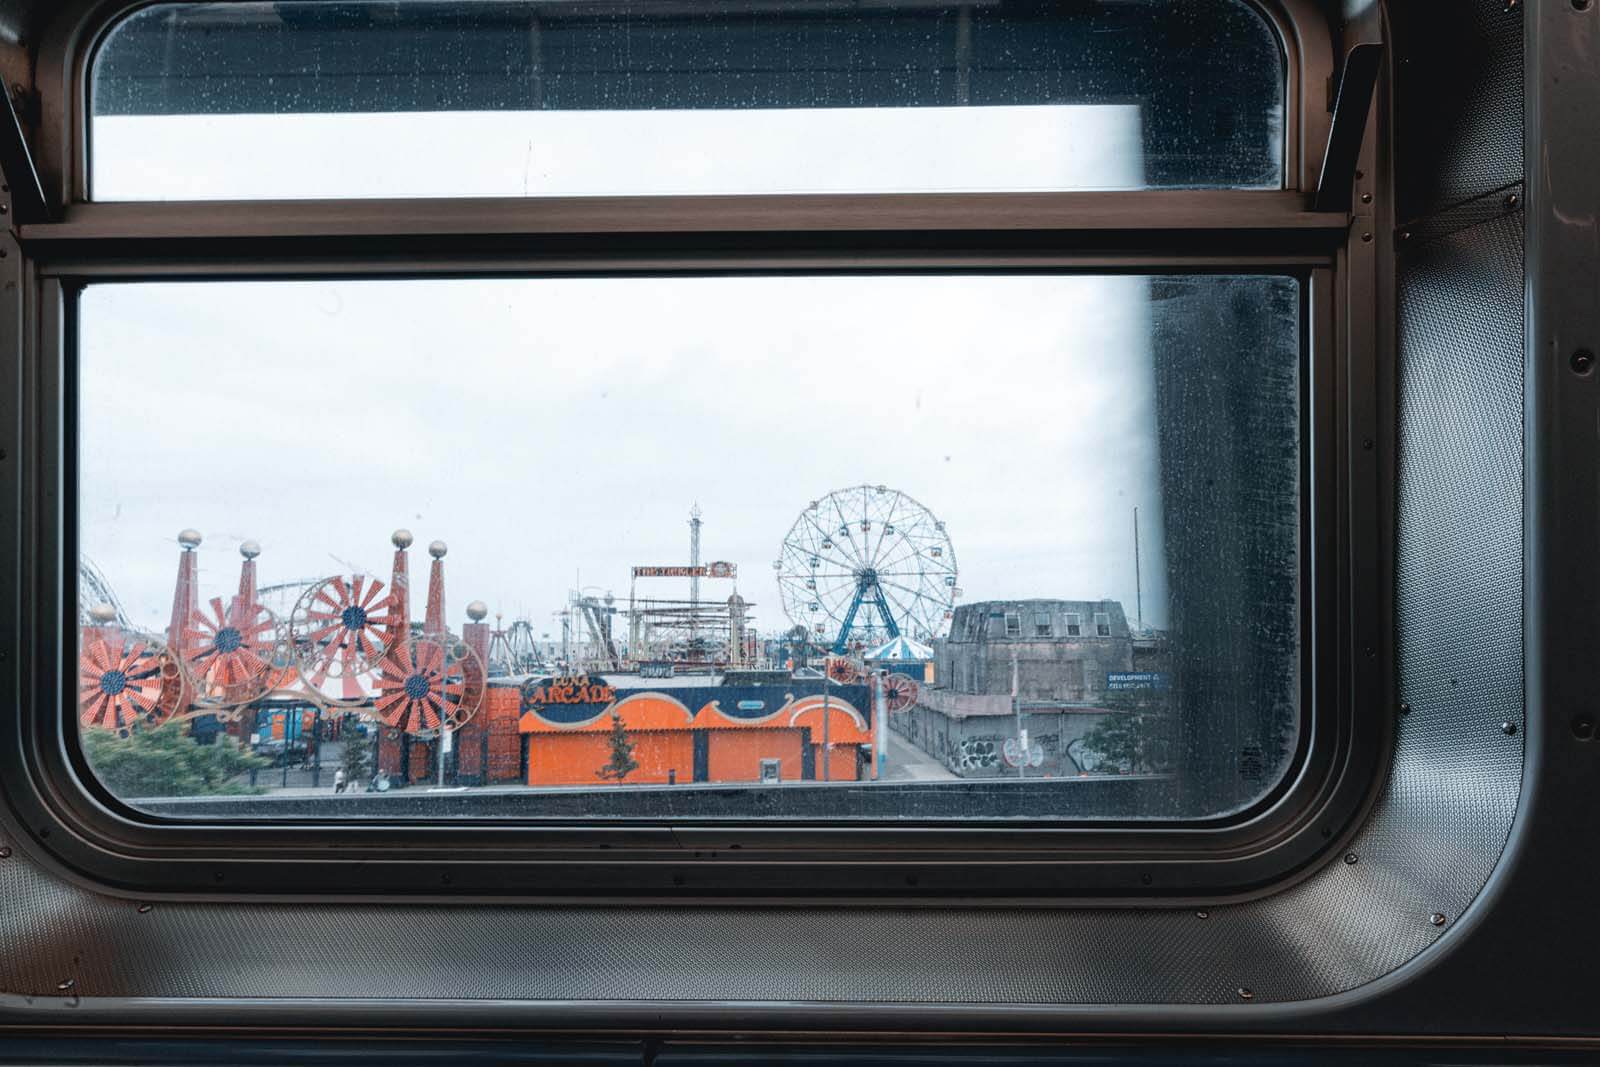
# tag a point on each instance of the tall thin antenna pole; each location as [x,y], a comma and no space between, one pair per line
[694,577]
[1138,584]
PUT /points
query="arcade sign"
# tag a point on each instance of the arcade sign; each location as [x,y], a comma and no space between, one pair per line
[569,700]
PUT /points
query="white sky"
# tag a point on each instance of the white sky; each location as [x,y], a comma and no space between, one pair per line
[556,153]
[550,427]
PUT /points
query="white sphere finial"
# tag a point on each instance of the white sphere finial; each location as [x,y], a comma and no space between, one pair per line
[477,611]
[250,549]
[103,613]
[401,538]
[189,538]
[437,549]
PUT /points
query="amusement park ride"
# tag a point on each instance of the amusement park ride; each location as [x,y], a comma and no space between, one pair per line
[347,646]
[865,565]
[860,566]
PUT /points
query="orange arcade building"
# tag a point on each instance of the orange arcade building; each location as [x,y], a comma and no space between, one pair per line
[687,729]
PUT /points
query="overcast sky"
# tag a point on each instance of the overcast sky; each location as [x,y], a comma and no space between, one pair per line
[556,432]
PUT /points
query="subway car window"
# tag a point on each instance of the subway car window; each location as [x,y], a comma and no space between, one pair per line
[238,101]
[529,541]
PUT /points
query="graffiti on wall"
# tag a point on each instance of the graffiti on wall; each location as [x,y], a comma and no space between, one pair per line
[977,753]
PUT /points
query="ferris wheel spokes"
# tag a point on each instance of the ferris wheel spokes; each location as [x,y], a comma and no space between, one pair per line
[887,568]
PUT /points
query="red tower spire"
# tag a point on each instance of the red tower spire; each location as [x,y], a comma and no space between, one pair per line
[433,622]
[476,632]
[185,593]
[241,612]
[400,585]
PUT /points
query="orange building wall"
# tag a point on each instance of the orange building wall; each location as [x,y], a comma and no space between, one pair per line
[736,755]
[576,758]
[663,729]
[843,764]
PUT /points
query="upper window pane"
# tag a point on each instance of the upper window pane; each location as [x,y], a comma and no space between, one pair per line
[570,97]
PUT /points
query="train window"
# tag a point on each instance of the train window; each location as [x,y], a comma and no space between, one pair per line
[512,412]
[488,546]
[541,98]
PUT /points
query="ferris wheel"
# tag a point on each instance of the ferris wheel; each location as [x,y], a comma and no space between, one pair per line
[867,564]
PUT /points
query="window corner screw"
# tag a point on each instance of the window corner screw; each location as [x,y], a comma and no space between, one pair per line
[1350,857]
[144,909]
[1512,201]
[1366,198]
[1405,235]
[1582,360]
[1367,237]
[1366,444]
[1245,994]
[1437,918]
[1508,728]
[1202,915]
[5,852]
[1405,709]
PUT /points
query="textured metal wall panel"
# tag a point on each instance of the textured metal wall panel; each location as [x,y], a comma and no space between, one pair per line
[1458,101]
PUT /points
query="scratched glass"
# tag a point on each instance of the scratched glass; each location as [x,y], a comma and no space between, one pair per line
[242,101]
[841,547]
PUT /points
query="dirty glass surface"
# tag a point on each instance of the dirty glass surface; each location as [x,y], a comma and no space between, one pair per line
[916,546]
[469,98]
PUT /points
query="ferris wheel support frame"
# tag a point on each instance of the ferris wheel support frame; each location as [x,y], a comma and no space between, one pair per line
[866,585]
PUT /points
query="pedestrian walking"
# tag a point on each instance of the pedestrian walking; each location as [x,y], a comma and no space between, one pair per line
[338,780]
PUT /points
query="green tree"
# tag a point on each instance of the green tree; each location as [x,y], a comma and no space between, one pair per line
[167,762]
[622,762]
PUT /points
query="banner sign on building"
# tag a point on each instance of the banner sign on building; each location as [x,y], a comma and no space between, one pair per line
[720,569]
[655,670]
[1122,681]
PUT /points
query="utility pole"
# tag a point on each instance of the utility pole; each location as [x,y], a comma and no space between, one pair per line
[827,742]
[880,722]
[1016,709]
[694,577]
[1138,584]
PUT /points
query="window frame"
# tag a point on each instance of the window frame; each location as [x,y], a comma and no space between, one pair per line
[52,801]
[1102,629]
[1072,623]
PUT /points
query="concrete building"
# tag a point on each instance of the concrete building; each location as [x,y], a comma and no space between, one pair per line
[1064,648]
[1077,661]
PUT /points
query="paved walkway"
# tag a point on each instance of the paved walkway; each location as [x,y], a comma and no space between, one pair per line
[908,763]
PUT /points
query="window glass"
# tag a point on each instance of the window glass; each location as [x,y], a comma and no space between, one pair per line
[1074,623]
[612,537]
[567,97]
